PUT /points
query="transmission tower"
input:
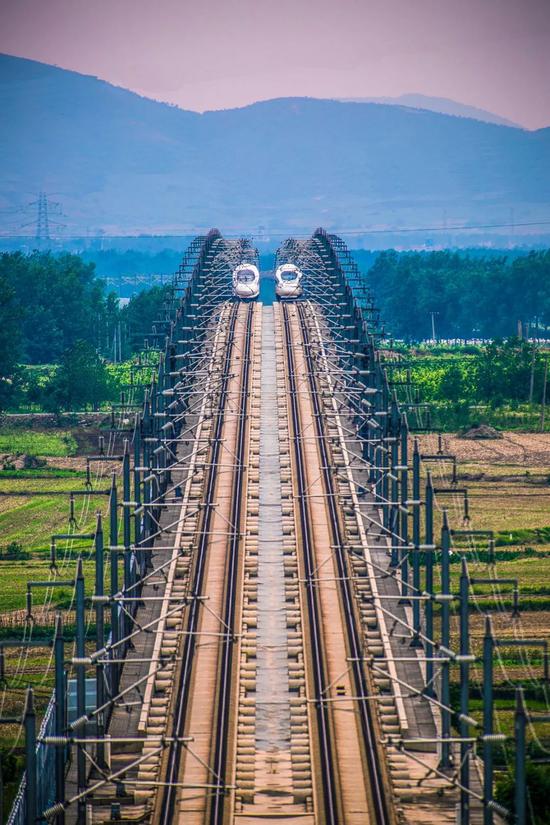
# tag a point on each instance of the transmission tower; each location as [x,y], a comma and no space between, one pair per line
[43,220]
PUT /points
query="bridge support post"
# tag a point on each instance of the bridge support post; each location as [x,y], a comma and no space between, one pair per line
[137,495]
[386,451]
[115,620]
[126,537]
[80,690]
[29,723]
[100,640]
[415,642]
[429,583]
[147,464]
[60,714]
[394,485]
[465,747]
[404,531]
[170,383]
[445,761]
[161,454]
[373,432]
[379,475]
[488,651]
[520,779]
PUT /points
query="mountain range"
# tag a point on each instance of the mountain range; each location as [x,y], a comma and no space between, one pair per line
[124,163]
[443,105]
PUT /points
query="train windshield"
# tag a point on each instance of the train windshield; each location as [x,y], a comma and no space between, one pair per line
[246,276]
[289,276]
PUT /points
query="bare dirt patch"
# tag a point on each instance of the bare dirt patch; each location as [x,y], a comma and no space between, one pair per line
[525,449]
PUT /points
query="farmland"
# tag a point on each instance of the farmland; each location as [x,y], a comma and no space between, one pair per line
[508,481]
[509,493]
[40,468]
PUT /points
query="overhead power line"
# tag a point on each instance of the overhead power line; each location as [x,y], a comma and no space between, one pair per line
[236,232]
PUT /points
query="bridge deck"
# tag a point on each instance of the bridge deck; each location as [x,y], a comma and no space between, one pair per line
[276,757]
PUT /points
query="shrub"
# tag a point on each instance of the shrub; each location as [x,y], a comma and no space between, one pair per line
[538,789]
[14,550]
[33,462]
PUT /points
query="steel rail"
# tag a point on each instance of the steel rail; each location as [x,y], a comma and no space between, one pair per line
[231,582]
[320,681]
[182,691]
[381,812]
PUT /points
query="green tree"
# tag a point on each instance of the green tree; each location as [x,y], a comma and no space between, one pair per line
[453,386]
[10,342]
[140,313]
[60,301]
[81,381]
[538,789]
[474,294]
[503,371]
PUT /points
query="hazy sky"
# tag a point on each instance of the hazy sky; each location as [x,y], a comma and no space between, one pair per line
[210,54]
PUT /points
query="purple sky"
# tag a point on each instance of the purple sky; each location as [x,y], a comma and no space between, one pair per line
[210,54]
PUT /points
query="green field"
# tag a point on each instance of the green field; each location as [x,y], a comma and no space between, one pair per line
[508,482]
[509,493]
[34,504]
[499,384]
[31,442]
[15,575]
[30,520]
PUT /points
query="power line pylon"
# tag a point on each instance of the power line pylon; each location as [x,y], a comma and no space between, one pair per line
[42,220]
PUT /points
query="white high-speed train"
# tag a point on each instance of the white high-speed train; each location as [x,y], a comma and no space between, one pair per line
[246,282]
[288,282]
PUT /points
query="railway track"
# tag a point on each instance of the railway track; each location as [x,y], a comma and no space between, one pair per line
[207,774]
[346,730]
[194,776]
[356,648]
[218,766]
[226,676]
[325,733]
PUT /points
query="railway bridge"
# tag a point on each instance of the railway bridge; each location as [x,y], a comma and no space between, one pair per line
[272,652]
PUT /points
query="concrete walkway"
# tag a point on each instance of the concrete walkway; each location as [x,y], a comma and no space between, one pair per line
[272,687]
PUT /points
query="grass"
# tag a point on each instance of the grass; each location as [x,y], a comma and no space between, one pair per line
[34,667]
[507,481]
[34,504]
[532,573]
[31,521]
[14,576]
[523,418]
[57,444]
[40,484]
[41,472]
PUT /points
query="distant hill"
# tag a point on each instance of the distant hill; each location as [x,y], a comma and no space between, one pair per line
[126,163]
[437,104]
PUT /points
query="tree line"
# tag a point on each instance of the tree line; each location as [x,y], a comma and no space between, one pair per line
[470,295]
[55,310]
